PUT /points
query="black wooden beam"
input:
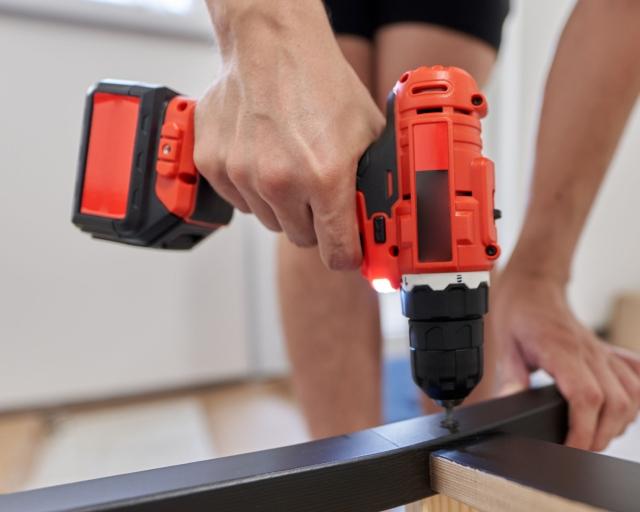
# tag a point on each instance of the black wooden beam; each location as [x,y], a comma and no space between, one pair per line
[589,478]
[369,470]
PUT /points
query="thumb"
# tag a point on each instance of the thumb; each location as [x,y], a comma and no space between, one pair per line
[513,375]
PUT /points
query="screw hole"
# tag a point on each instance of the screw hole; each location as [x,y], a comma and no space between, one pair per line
[477,100]
[393,250]
[404,78]
[182,106]
[187,178]
[491,250]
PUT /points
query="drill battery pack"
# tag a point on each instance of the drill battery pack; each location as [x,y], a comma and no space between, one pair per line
[136,181]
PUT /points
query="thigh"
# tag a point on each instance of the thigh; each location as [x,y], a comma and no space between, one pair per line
[408,45]
[353,23]
[458,33]
[359,53]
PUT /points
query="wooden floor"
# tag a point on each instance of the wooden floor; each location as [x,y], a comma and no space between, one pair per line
[67,444]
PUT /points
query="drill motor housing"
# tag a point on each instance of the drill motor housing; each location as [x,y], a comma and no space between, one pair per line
[427,222]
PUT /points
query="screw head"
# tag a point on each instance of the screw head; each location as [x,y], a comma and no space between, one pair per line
[166,149]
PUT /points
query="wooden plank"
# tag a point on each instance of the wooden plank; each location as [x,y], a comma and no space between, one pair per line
[516,474]
[625,322]
[369,470]
[21,436]
[439,503]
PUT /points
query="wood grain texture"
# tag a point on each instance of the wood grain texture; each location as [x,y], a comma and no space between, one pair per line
[370,470]
[20,439]
[440,503]
[497,494]
[516,474]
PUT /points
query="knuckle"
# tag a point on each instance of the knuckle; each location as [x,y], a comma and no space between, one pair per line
[619,405]
[237,173]
[329,178]
[590,397]
[274,183]
[585,397]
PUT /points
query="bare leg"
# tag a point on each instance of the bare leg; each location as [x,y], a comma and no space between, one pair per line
[400,47]
[331,323]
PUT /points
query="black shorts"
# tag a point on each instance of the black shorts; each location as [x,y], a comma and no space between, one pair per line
[478,18]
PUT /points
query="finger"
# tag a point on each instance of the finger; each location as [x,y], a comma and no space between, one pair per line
[225,189]
[212,167]
[579,386]
[297,223]
[243,179]
[336,227]
[630,381]
[261,209]
[614,414]
[630,357]
[513,372]
[281,190]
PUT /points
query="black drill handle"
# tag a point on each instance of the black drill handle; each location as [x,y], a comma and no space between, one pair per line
[378,161]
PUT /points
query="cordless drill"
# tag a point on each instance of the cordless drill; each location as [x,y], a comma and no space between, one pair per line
[427,222]
[424,201]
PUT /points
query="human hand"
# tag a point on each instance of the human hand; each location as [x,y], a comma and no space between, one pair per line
[281,132]
[533,326]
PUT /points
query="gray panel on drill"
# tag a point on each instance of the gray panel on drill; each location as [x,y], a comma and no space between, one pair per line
[368,470]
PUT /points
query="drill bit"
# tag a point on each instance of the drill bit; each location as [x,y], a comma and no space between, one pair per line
[449,422]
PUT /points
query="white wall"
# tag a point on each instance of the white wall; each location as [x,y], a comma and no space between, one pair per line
[606,261]
[81,318]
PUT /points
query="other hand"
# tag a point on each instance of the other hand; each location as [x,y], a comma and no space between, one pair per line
[534,327]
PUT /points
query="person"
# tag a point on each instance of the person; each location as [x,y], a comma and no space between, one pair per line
[280,132]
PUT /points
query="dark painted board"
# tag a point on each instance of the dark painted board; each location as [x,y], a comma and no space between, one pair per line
[591,478]
[369,470]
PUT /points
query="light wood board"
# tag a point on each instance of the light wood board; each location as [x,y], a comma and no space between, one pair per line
[21,437]
[625,322]
[439,503]
[521,474]
[483,491]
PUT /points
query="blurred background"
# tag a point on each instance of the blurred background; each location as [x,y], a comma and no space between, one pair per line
[113,358]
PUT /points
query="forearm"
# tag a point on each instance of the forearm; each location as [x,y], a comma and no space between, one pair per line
[241,24]
[592,86]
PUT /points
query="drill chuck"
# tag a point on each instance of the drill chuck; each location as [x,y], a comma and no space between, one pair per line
[446,337]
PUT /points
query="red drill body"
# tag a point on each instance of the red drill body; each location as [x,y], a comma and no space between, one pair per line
[436,192]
